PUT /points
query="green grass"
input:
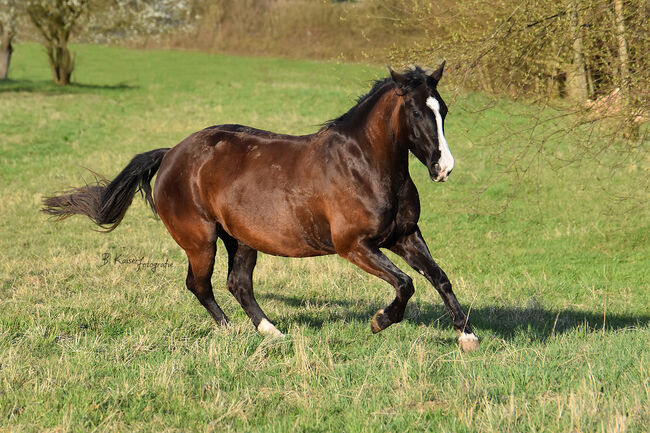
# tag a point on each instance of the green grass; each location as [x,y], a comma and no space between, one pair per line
[557,284]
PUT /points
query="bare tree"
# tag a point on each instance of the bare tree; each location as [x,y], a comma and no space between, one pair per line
[56,20]
[8,24]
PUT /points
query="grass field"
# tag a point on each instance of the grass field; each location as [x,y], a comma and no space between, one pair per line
[557,285]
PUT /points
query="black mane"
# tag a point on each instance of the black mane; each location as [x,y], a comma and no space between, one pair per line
[413,79]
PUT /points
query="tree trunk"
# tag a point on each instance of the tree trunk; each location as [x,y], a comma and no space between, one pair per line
[622,47]
[6,37]
[5,57]
[632,126]
[61,63]
[576,85]
[591,89]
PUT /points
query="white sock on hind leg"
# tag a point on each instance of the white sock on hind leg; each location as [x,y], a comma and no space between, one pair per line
[265,327]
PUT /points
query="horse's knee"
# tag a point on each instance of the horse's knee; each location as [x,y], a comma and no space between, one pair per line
[240,288]
[201,288]
[231,285]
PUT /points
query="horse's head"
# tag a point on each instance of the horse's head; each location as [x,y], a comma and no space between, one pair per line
[423,117]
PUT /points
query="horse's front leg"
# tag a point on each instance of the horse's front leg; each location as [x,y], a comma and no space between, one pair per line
[369,258]
[415,252]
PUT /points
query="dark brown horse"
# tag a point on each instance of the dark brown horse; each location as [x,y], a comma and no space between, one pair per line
[344,190]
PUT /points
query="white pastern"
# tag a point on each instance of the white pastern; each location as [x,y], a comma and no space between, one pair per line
[446,159]
[265,327]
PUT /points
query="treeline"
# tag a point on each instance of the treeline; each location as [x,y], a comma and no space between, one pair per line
[590,52]
[321,29]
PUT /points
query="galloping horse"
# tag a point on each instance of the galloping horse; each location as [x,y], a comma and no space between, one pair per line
[345,190]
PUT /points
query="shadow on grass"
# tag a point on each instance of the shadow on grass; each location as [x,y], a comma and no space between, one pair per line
[506,321]
[49,88]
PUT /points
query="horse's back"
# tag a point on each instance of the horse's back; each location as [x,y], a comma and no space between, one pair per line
[248,131]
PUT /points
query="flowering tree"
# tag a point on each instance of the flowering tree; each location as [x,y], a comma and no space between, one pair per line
[122,19]
[8,17]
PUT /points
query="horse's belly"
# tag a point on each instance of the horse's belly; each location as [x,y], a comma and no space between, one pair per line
[277,228]
[280,241]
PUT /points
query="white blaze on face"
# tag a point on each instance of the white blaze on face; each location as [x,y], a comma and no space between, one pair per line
[446,159]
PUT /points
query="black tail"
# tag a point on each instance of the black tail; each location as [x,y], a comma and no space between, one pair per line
[105,203]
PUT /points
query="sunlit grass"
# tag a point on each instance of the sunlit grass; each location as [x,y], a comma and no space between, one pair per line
[557,285]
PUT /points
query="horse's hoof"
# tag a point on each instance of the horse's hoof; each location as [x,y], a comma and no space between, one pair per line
[266,328]
[379,322]
[468,342]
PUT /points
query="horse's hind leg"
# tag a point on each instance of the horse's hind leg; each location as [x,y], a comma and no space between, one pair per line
[241,262]
[179,206]
[199,242]
[199,274]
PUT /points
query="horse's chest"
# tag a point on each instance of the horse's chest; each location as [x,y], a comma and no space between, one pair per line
[386,215]
[404,211]
[402,220]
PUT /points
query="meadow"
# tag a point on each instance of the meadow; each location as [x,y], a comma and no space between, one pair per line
[556,282]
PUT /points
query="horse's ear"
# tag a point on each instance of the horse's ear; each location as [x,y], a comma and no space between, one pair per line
[397,77]
[437,74]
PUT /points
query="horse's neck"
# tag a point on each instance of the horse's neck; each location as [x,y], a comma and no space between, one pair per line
[375,129]
[383,131]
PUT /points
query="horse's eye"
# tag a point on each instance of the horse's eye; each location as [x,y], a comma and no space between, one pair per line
[416,113]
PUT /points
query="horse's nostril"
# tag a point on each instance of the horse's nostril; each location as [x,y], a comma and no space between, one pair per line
[436,167]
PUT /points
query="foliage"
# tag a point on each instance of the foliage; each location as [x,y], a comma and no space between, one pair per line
[8,13]
[558,288]
[535,49]
[111,20]
[8,16]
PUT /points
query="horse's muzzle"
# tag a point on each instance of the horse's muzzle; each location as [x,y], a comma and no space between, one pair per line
[437,174]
